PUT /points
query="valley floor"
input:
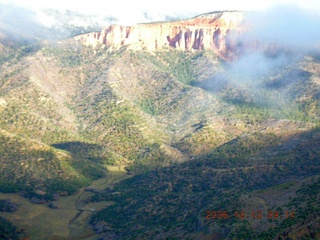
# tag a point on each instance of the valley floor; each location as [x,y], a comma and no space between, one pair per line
[70,220]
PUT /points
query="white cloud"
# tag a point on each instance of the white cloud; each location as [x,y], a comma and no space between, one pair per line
[129,12]
[27,15]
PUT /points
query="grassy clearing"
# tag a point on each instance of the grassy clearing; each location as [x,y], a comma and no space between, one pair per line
[42,222]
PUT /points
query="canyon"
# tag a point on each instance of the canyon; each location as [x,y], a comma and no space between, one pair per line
[136,132]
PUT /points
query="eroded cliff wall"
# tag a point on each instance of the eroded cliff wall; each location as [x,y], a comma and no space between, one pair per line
[216,31]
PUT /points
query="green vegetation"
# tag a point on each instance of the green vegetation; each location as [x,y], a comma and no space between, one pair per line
[7,206]
[168,198]
[8,230]
[68,56]
[178,64]
[290,94]
[68,112]
[148,106]
[13,52]
[304,207]
[8,187]
[69,186]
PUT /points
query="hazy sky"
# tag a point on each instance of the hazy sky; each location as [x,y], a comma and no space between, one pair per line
[128,12]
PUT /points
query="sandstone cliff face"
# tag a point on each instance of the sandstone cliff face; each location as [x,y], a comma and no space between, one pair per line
[215,31]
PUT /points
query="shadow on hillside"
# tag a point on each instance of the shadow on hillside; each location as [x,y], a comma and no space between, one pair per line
[299,155]
[81,150]
[259,162]
[86,157]
[204,183]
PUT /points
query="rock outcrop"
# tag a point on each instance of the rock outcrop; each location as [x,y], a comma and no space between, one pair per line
[215,31]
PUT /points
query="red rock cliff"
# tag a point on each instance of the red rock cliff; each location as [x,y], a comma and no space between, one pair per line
[215,31]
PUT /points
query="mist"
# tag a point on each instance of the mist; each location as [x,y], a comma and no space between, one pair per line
[279,36]
[23,24]
[278,39]
[18,23]
[38,23]
[274,40]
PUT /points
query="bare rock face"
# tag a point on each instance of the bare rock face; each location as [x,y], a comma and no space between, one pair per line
[215,31]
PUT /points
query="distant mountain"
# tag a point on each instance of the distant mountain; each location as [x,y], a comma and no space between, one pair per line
[49,24]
